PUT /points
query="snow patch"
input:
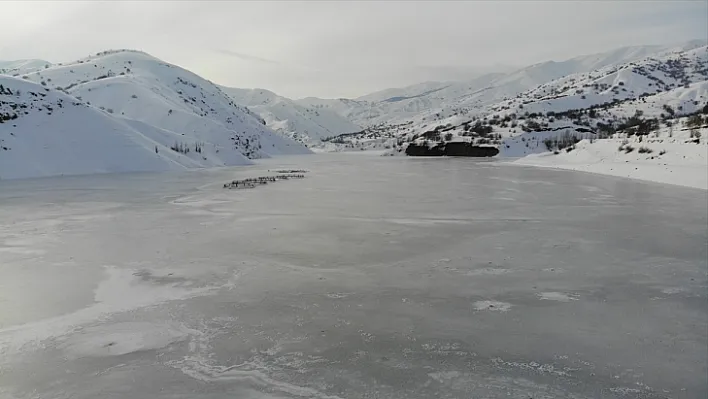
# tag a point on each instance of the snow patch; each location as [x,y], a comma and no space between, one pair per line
[494,306]
[123,338]
[444,376]
[557,296]
[121,291]
[488,271]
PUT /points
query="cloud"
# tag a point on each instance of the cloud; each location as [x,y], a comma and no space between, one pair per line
[247,57]
[343,48]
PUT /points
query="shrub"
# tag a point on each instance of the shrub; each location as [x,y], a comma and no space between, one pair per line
[645,150]
[662,152]
[605,130]
[533,126]
[180,147]
[694,121]
[134,96]
[628,149]
[549,144]
[566,140]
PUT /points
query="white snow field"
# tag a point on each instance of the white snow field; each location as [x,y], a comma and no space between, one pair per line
[397,278]
[681,164]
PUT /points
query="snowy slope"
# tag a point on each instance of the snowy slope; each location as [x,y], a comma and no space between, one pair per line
[669,156]
[44,132]
[641,79]
[20,67]
[137,86]
[658,88]
[402,93]
[303,124]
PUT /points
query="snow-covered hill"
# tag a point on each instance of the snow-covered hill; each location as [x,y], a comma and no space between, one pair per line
[174,110]
[44,132]
[307,125]
[593,121]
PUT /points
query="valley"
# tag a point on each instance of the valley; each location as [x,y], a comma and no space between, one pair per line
[353,200]
[157,116]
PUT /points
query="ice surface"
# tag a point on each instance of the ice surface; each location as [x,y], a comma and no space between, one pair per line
[122,290]
[122,338]
[372,277]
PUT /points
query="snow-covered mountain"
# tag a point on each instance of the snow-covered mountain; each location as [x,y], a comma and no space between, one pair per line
[644,119]
[661,86]
[426,103]
[301,123]
[174,112]
[672,73]
[629,88]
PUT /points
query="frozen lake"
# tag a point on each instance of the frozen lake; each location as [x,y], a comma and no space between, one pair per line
[370,278]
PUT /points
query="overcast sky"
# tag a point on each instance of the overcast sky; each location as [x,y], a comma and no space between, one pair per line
[343,48]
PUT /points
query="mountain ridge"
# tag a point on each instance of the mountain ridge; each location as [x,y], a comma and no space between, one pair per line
[167,109]
[198,123]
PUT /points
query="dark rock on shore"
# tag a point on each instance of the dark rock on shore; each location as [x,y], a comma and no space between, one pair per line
[452,149]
